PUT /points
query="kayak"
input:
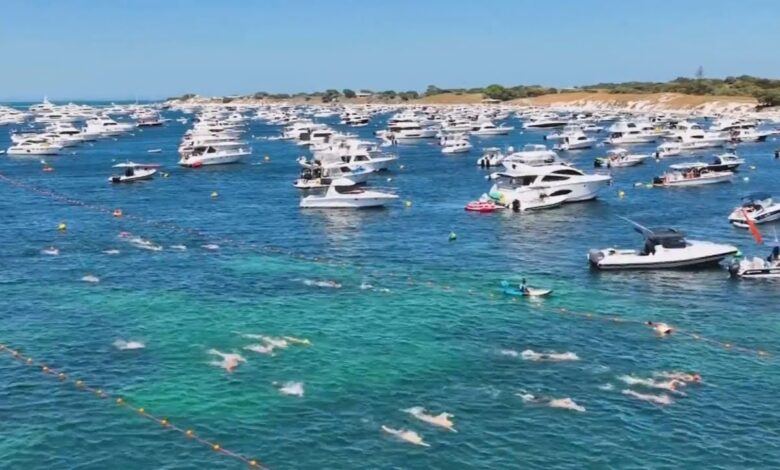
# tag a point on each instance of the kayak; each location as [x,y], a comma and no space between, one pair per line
[508,290]
[479,206]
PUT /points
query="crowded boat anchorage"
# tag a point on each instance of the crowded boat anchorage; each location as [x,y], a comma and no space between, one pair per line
[345,151]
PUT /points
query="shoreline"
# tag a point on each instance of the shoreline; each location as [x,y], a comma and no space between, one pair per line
[567,101]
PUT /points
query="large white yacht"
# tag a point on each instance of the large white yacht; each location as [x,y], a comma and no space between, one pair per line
[524,182]
[411,130]
[630,132]
[575,139]
[344,194]
[664,249]
[34,147]
[488,128]
[107,127]
[211,155]
[355,152]
[543,121]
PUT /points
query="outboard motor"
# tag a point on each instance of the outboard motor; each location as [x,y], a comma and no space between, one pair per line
[658,180]
[516,205]
[734,268]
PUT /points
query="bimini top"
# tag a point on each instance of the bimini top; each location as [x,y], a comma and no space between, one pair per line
[666,237]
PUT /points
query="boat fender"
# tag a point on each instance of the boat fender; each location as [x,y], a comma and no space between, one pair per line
[516,205]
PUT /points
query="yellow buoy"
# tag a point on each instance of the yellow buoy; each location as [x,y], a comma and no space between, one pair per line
[141,410]
[621,194]
[214,195]
[216,447]
[267,158]
[407,203]
[164,422]
[189,433]
[119,401]
[62,227]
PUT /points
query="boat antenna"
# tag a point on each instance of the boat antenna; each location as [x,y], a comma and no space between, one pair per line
[639,227]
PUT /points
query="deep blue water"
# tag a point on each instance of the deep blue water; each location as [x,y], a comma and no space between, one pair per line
[433,340]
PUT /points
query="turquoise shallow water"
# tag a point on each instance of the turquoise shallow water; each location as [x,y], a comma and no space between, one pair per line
[433,340]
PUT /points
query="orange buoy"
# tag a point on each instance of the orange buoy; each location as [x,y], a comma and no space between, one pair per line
[118,213]
[189,433]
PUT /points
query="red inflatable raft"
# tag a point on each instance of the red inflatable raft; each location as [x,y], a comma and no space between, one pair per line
[479,206]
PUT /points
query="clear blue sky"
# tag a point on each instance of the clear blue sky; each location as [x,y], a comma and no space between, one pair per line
[157,48]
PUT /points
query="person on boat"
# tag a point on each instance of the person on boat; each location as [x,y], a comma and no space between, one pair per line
[774,257]
[661,328]
[523,287]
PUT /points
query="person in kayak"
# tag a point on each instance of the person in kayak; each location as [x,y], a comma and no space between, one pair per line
[524,287]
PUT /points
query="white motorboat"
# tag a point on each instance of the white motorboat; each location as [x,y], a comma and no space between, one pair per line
[757,207]
[726,161]
[210,155]
[629,132]
[106,127]
[525,182]
[668,149]
[34,147]
[410,130]
[355,152]
[574,140]
[749,134]
[134,172]
[758,268]
[344,194]
[458,145]
[692,136]
[488,128]
[664,249]
[491,156]
[692,174]
[619,157]
[316,175]
[544,121]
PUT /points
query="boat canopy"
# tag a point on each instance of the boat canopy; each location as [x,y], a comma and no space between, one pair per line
[756,197]
[666,237]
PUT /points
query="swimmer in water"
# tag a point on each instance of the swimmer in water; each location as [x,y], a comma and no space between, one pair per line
[566,403]
[662,399]
[298,341]
[405,435]
[661,328]
[51,251]
[229,361]
[671,385]
[441,420]
[290,388]
[681,376]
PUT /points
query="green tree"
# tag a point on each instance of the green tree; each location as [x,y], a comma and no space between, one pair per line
[348,93]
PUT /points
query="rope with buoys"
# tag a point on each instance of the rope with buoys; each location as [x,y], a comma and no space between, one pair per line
[727,345]
[122,402]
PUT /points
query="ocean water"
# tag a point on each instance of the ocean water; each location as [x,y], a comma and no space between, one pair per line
[430,333]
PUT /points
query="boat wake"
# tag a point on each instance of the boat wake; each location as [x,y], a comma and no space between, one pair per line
[662,399]
[531,355]
[91,279]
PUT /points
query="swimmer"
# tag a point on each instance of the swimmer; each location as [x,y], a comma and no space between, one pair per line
[259,348]
[128,345]
[670,385]
[662,399]
[229,361]
[509,352]
[178,247]
[211,247]
[297,341]
[111,252]
[290,388]
[91,279]
[566,403]
[530,355]
[441,420]
[681,376]
[405,435]
[660,328]
[329,284]
[51,251]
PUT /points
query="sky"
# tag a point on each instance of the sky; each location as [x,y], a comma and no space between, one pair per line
[149,49]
